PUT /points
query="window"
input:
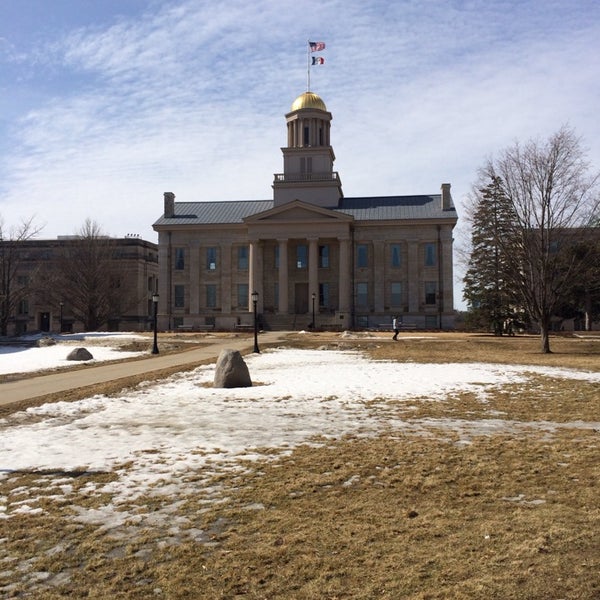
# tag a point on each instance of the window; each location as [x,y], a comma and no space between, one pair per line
[396,255]
[243,258]
[23,308]
[22,280]
[211,296]
[430,292]
[242,295]
[276,297]
[430,252]
[362,256]
[324,295]
[306,134]
[301,256]
[396,299]
[324,257]
[362,294]
[179,292]
[211,258]
[179,259]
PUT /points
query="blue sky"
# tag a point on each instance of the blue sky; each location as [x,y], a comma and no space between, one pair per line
[106,104]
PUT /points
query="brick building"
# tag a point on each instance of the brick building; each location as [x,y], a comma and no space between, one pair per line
[34,300]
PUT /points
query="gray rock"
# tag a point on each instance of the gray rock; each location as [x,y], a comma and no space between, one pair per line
[231,370]
[80,354]
[46,341]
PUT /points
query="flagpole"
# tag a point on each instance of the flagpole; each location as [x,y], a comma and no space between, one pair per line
[308,66]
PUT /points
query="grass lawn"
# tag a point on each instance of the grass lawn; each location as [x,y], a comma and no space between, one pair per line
[446,506]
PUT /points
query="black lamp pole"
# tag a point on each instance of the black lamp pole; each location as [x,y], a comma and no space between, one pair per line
[313,311]
[155,304]
[254,302]
[62,304]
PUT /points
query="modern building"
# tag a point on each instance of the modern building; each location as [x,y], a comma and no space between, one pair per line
[33,297]
[313,256]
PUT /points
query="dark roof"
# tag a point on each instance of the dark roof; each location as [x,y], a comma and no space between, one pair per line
[378,208]
[212,213]
[383,208]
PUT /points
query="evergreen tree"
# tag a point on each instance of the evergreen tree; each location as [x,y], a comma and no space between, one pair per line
[487,288]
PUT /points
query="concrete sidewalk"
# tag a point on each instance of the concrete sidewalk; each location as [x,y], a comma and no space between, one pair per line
[35,386]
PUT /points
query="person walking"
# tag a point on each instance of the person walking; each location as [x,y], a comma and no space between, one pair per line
[396,327]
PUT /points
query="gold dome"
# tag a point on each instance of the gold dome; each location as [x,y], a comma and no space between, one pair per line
[308,100]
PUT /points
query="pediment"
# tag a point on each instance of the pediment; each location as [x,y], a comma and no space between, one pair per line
[297,211]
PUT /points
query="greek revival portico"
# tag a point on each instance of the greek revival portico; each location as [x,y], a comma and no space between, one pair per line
[286,227]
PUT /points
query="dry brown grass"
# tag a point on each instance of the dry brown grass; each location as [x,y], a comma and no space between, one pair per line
[430,513]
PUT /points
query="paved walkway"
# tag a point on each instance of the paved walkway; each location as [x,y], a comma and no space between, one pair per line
[41,385]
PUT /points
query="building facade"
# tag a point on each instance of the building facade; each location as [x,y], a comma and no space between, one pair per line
[34,300]
[313,256]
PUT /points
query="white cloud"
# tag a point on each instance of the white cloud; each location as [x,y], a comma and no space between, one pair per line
[190,97]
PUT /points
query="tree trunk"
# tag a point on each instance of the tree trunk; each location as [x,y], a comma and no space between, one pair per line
[545,336]
[588,311]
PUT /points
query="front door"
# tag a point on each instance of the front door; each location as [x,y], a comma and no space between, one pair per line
[301,298]
[45,321]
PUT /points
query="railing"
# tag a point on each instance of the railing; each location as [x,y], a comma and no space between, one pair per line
[296,177]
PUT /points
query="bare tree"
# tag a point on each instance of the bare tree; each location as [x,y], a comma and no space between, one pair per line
[14,287]
[553,197]
[89,277]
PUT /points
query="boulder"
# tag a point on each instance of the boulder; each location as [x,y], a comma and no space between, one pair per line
[231,370]
[80,354]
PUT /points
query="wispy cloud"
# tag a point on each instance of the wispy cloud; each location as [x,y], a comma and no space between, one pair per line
[190,97]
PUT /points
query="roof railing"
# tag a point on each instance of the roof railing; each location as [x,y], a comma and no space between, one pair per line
[300,177]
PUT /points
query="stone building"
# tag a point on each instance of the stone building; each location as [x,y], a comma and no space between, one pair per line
[34,301]
[350,262]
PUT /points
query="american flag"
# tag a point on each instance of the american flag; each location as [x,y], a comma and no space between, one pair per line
[316,46]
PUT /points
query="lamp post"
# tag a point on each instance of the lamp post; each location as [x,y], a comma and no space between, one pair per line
[254,303]
[155,322]
[313,311]
[62,304]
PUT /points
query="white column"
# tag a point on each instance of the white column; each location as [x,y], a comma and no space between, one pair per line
[259,275]
[283,277]
[254,279]
[344,276]
[313,269]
